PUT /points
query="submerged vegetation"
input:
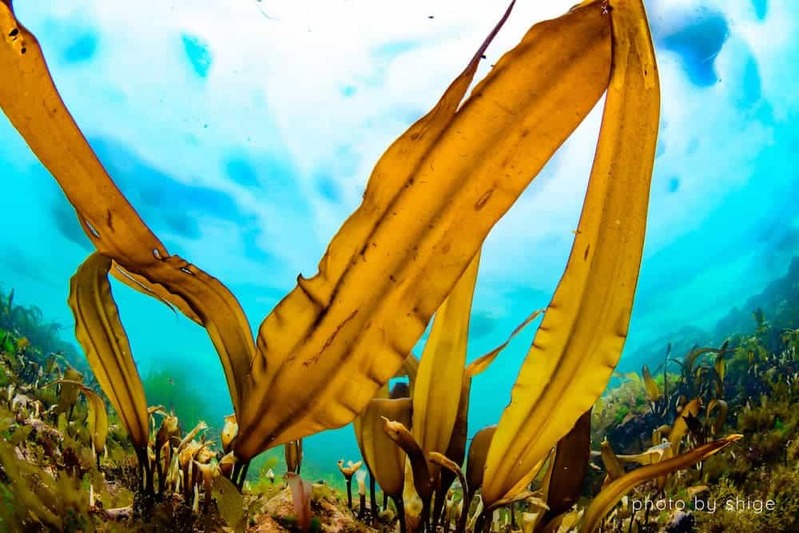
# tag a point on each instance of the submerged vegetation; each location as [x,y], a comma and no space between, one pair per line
[748,385]
[324,357]
[59,437]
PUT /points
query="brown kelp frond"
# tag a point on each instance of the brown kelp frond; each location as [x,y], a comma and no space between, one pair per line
[652,389]
[610,495]
[439,188]
[581,337]
[722,410]
[476,460]
[570,465]
[444,462]
[97,419]
[480,364]
[69,390]
[421,469]
[409,368]
[191,435]
[680,426]
[437,393]
[384,458]
[168,432]
[292,452]
[611,462]
[30,100]
[653,454]
[105,343]
[228,433]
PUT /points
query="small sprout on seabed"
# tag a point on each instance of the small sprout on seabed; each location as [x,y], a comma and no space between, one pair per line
[360,476]
[229,431]
[348,471]
[301,497]
[226,464]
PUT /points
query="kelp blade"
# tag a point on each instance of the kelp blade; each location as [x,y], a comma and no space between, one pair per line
[480,364]
[105,343]
[581,337]
[570,465]
[478,451]
[385,459]
[430,203]
[30,100]
[439,382]
[97,420]
[611,494]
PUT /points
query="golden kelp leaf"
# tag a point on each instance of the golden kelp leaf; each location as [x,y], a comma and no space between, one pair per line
[97,420]
[480,364]
[385,459]
[457,445]
[695,354]
[445,462]
[680,427]
[721,416]
[659,434]
[437,393]
[720,366]
[581,337]
[293,455]
[228,433]
[652,389]
[610,495]
[400,434]
[453,468]
[478,451]
[678,431]
[564,522]
[70,389]
[105,343]
[652,455]
[431,201]
[32,104]
[410,368]
[168,431]
[611,461]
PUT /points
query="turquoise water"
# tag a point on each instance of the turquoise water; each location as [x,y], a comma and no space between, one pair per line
[244,133]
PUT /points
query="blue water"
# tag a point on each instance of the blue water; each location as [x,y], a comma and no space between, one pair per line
[244,135]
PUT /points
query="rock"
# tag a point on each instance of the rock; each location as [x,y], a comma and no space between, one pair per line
[681,522]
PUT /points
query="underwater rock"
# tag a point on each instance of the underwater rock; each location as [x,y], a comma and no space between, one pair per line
[327,514]
[681,522]
[628,437]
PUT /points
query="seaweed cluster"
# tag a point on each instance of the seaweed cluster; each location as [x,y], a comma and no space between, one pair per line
[325,355]
[747,386]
